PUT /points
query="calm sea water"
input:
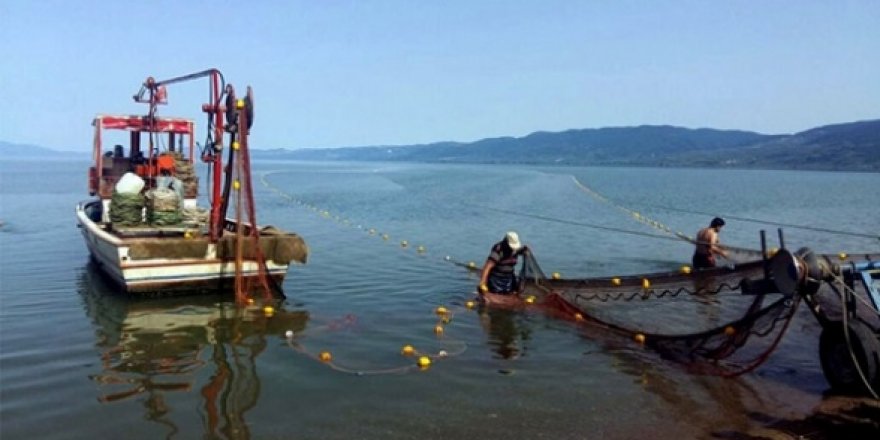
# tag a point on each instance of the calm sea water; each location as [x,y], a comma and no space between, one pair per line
[78,360]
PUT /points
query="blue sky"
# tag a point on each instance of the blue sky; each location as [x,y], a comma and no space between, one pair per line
[350,73]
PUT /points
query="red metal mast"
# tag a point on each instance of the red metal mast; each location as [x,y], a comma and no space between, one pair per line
[215,111]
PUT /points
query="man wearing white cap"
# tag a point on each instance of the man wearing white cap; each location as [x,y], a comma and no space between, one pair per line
[499,272]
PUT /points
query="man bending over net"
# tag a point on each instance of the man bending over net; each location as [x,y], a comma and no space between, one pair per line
[499,272]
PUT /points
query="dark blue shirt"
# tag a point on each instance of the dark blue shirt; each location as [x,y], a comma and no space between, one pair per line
[504,258]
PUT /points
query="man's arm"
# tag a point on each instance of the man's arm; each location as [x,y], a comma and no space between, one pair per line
[715,246]
[484,275]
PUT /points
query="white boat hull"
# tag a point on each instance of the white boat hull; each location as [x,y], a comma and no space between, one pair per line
[111,253]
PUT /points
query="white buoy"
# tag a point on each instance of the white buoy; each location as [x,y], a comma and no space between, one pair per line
[289,334]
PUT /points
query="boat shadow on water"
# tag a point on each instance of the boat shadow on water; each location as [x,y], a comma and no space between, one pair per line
[199,345]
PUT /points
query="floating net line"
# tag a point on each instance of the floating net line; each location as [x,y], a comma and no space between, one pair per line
[419,359]
[729,349]
[734,253]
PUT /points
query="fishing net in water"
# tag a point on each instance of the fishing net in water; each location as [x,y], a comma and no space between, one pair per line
[703,320]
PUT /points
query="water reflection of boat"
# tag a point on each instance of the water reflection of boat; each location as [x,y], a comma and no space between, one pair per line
[181,348]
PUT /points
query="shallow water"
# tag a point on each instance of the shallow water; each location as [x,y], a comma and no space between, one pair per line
[79,361]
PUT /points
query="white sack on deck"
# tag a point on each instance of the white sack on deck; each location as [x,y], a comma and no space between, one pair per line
[130,183]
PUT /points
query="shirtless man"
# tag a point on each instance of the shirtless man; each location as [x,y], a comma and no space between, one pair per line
[708,246]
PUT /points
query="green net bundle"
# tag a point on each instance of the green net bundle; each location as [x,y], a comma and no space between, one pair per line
[163,207]
[126,209]
[184,171]
[195,215]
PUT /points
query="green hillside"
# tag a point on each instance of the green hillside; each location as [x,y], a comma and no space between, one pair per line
[852,146]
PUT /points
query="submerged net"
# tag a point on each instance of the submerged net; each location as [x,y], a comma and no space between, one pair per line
[723,350]
[667,312]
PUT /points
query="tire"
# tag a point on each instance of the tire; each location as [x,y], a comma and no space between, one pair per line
[837,364]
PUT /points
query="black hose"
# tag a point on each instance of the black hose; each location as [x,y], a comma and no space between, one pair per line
[228,181]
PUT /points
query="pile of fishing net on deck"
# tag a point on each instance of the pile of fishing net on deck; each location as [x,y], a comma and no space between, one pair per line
[127,202]
[163,207]
[126,209]
[703,319]
[195,215]
[164,204]
[184,171]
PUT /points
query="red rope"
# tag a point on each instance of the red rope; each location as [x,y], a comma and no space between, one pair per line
[247,187]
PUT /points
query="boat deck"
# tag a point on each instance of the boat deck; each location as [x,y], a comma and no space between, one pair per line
[157,231]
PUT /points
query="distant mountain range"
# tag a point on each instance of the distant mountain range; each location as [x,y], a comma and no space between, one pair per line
[23,151]
[851,146]
[842,147]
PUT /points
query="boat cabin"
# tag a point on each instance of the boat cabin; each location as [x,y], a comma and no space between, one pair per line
[165,140]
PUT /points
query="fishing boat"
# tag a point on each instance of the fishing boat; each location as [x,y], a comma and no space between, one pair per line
[144,227]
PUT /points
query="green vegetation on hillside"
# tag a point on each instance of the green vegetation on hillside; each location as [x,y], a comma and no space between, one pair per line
[852,146]
[845,147]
